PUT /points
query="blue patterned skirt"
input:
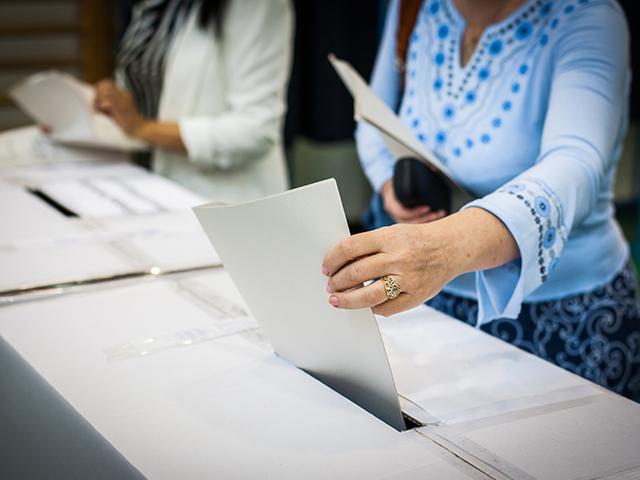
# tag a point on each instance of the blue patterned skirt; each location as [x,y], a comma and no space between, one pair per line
[594,334]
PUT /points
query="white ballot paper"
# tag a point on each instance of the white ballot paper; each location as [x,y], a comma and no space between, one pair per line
[273,249]
[29,145]
[64,104]
[368,108]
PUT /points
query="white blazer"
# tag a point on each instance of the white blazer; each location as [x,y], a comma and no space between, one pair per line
[228,96]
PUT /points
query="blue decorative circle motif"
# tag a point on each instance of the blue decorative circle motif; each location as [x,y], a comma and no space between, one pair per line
[497,122]
[485,138]
[523,69]
[470,97]
[469,143]
[483,74]
[441,137]
[443,31]
[523,31]
[449,112]
[515,88]
[506,106]
[549,237]
[434,7]
[437,84]
[495,47]
[439,58]
[542,206]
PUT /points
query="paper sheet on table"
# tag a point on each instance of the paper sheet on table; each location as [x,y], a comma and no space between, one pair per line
[368,108]
[29,145]
[64,104]
[273,249]
[120,195]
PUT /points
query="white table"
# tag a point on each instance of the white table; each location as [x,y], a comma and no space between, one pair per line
[106,239]
[166,378]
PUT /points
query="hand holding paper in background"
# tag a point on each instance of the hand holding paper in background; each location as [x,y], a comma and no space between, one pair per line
[401,142]
[65,105]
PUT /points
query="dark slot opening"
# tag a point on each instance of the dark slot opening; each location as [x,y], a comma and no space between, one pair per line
[410,422]
[52,203]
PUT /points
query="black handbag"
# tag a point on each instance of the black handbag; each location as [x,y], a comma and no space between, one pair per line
[416,185]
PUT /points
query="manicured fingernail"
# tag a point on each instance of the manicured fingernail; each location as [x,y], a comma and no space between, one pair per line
[333,300]
[325,271]
[330,289]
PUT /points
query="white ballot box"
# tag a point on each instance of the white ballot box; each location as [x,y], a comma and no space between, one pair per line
[181,382]
[165,373]
[175,376]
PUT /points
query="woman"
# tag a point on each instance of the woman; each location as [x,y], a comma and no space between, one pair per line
[203,82]
[525,102]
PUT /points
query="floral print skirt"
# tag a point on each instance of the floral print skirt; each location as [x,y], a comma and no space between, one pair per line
[594,334]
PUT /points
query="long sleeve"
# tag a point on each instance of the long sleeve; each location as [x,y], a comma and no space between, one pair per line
[376,159]
[586,114]
[256,55]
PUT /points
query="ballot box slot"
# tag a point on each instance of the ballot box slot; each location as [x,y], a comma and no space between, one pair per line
[410,422]
[52,202]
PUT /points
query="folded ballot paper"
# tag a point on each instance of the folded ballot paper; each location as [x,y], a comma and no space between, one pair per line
[273,249]
[368,108]
[65,105]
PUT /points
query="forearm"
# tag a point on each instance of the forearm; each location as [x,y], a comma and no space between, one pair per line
[475,240]
[161,134]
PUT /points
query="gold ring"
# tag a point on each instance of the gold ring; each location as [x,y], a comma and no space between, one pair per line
[391,286]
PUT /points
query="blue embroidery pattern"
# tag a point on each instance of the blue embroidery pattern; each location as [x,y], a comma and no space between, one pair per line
[438,23]
[547,212]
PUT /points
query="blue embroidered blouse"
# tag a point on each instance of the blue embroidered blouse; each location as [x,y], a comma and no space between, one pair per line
[533,125]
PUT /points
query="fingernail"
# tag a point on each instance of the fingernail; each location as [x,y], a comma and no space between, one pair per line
[330,289]
[325,271]
[333,300]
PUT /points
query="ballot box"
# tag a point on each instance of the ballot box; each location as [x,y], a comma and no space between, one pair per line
[126,351]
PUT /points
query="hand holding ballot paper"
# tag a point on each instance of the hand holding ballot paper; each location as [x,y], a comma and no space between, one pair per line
[65,105]
[273,250]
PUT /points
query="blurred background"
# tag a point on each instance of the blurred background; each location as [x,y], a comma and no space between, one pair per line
[81,37]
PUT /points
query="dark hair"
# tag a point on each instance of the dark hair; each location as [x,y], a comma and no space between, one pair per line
[212,11]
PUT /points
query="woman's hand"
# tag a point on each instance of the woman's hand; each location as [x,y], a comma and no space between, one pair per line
[421,258]
[406,215]
[120,105]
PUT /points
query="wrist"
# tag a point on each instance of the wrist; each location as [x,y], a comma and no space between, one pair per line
[479,240]
[441,250]
[140,128]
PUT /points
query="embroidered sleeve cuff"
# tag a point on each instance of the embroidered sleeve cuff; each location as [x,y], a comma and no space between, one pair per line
[534,216]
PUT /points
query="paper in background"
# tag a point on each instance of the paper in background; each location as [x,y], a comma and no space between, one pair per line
[273,249]
[64,104]
[368,108]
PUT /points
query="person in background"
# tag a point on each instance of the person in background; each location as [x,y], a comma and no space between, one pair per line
[525,102]
[204,82]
